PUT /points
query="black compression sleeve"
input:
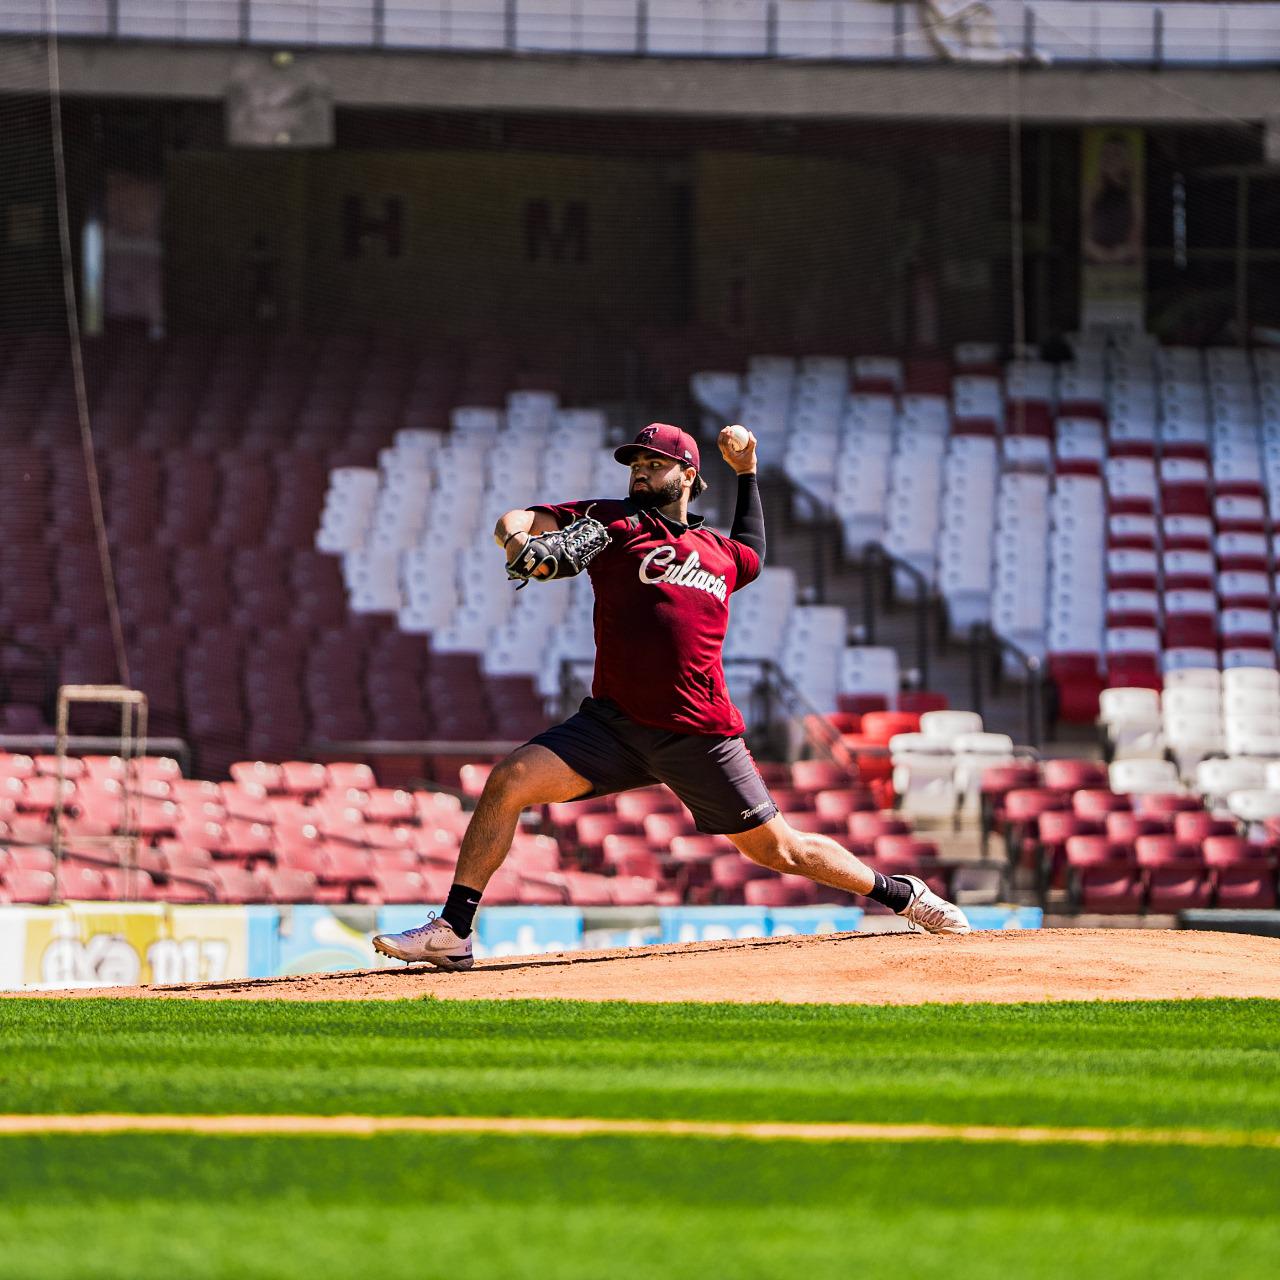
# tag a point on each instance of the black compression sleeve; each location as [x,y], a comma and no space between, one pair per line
[748,519]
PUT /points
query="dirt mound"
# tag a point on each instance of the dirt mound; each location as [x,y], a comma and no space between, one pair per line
[837,968]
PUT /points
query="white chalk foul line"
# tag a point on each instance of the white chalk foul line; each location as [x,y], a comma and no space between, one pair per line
[568,1127]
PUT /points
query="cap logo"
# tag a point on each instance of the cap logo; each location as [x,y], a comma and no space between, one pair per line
[647,435]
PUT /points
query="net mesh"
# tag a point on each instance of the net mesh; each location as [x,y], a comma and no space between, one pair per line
[249,318]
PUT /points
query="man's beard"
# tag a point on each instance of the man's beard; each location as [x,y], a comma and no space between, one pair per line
[648,499]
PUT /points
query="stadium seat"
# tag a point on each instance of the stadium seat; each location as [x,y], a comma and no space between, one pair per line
[1102,879]
[1175,874]
[1244,874]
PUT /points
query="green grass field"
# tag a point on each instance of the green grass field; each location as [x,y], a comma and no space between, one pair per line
[471,1205]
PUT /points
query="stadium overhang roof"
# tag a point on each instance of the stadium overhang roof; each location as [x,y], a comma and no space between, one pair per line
[673,86]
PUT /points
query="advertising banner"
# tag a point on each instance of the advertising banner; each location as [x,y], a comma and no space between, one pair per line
[92,944]
[505,931]
[312,939]
[134,250]
[1112,228]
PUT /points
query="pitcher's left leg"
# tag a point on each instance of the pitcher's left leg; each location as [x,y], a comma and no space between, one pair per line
[779,846]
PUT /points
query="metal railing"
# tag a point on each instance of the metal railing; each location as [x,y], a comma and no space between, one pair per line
[988,652]
[1011,31]
[878,568]
[807,515]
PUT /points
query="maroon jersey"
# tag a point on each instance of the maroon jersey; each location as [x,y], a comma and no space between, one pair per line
[662,608]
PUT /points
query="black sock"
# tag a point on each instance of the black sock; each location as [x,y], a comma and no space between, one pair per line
[460,908]
[890,891]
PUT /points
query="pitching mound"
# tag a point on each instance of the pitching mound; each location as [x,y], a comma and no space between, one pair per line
[838,968]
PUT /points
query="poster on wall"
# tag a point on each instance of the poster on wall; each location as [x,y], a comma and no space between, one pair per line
[1112,224]
[92,944]
[134,250]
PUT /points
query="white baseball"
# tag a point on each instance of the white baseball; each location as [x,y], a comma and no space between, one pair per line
[739,438]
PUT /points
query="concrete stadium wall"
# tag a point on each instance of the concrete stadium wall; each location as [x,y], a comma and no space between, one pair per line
[775,248]
[468,241]
[651,86]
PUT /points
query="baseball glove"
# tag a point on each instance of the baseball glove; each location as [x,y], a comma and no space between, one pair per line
[568,551]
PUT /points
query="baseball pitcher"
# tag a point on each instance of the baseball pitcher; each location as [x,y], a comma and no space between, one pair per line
[659,710]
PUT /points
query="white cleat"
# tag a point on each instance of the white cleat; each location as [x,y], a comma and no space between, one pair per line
[929,913]
[435,942]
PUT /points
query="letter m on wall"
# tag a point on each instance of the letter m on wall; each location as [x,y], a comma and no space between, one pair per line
[566,238]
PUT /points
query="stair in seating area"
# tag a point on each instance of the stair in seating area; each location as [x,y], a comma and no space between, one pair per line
[794,543]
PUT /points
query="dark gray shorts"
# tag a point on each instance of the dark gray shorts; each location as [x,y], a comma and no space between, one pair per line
[715,777]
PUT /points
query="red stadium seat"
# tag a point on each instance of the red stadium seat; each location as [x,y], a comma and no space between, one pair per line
[1175,874]
[1158,804]
[31,858]
[584,889]
[812,776]
[590,830]
[730,872]
[389,805]
[234,884]
[662,828]
[536,855]
[392,886]
[1125,828]
[346,865]
[1055,828]
[635,891]
[893,854]
[920,701]
[473,777]
[1244,873]
[879,726]
[779,891]
[76,881]
[347,776]
[1096,804]
[840,804]
[864,829]
[1019,825]
[291,884]
[303,779]
[248,802]
[1073,775]
[564,816]
[23,886]
[1103,880]
[635,806]
[1194,826]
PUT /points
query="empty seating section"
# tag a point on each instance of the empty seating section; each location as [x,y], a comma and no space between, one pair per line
[1226,723]
[1132,838]
[415,539]
[307,832]
[215,455]
[1110,514]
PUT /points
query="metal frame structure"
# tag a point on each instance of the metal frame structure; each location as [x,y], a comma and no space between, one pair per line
[133,746]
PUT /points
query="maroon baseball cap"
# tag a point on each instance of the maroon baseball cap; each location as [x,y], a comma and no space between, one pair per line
[666,441]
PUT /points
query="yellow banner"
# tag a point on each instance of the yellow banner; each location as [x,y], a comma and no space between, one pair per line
[1112,223]
[110,944]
